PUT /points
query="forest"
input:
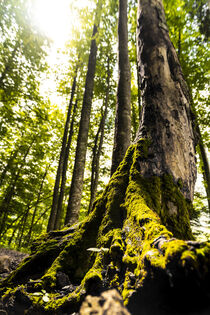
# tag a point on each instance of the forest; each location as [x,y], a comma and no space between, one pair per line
[104,171]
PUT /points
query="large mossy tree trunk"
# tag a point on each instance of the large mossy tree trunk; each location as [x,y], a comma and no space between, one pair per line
[138,238]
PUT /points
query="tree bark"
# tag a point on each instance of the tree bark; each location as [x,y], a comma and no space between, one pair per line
[53,213]
[65,167]
[98,147]
[166,114]
[75,193]
[123,108]
[139,91]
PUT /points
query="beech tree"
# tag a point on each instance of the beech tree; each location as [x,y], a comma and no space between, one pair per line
[62,166]
[123,108]
[98,143]
[138,237]
[75,193]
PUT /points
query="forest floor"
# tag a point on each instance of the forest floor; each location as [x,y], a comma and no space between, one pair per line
[9,260]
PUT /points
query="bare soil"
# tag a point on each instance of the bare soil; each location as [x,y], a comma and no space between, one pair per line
[9,260]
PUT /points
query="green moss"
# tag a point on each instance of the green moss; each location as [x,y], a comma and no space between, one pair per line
[189,256]
[128,219]
[174,249]
[126,288]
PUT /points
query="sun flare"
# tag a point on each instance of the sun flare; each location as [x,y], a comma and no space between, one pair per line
[55,18]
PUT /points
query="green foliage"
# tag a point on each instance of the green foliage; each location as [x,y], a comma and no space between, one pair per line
[22,52]
[29,130]
[193,53]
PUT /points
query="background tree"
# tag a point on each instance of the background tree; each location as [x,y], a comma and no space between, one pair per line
[98,143]
[61,170]
[123,119]
[75,193]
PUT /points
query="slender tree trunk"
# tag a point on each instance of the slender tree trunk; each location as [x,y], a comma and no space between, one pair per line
[65,167]
[28,237]
[8,166]
[4,208]
[205,166]
[12,236]
[53,213]
[75,193]
[22,228]
[98,147]
[95,165]
[41,215]
[123,109]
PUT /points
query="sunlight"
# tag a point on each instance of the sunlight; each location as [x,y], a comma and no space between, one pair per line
[52,17]
[55,18]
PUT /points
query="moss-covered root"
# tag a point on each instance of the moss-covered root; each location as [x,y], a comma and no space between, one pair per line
[69,258]
[126,243]
[176,284]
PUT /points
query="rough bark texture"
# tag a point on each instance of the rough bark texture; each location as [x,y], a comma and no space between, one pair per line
[137,239]
[98,144]
[123,108]
[75,193]
[166,114]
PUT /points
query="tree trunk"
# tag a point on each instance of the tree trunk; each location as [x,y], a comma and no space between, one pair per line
[139,91]
[98,147]
[75,193]
[123,108]
[4,207]
[65,167]
[28,237]
[53,213]
[8,166]
[166,114]
[22,228]
[205,166]
[128,241]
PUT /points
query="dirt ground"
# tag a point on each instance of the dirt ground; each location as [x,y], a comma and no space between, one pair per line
[9,260]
